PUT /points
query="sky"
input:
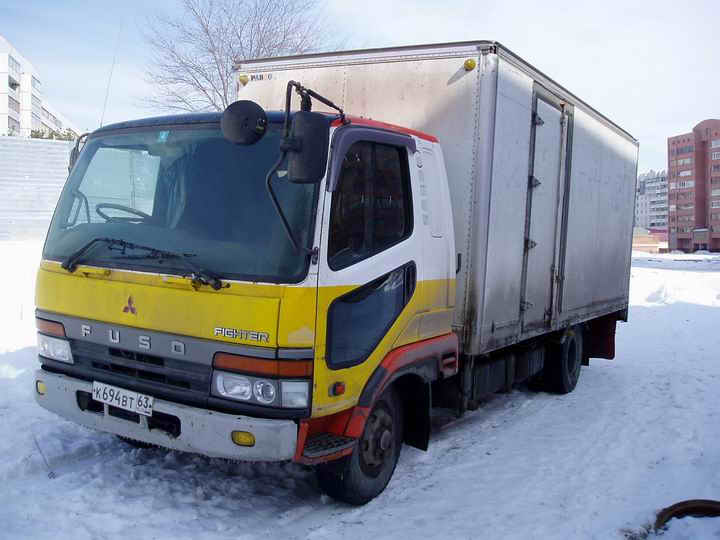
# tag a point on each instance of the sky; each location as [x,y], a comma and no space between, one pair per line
[651,66]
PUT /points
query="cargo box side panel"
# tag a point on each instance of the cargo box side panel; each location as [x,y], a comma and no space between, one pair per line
[499,298]
[268,86]
[599,221]
[436,96]
[433,95]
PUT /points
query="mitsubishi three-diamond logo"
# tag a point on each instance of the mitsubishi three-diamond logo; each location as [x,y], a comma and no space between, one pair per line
[130,307]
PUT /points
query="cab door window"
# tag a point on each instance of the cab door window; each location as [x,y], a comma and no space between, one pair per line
[371,208]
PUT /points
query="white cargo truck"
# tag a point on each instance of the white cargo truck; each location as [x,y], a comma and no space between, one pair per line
[434,224]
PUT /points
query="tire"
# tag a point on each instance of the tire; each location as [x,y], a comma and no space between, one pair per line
[563,363]
[364,474]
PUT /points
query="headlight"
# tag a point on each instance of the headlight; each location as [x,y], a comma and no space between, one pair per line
[233,386]
[54,348]
[261,391]
[294,393]
[264,391]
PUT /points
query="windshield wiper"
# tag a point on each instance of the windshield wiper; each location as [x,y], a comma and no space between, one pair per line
[71,261]
[198,274]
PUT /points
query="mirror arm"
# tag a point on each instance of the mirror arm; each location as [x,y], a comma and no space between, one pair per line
[268,182]
[305,94]
[329,103]
[75,152]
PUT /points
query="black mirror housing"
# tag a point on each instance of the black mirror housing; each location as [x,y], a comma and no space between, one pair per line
[244,122]
[308,147]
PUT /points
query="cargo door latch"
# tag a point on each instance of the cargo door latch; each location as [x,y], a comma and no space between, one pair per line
[525,305]
[537,120]
[529,244]
[533,182]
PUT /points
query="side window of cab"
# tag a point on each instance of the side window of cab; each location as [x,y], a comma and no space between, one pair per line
[371,208]
[371,211]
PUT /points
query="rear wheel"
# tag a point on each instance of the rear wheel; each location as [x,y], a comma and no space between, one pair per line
[365,473]
[563,363]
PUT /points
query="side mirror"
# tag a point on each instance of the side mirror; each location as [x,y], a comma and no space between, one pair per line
[307,158]
[244,122]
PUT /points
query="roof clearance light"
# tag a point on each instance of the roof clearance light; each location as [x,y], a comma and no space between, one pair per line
[470,64]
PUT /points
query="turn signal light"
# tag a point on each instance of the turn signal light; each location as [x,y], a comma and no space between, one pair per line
[263,366]
[50,327]
[40,388]
[243,438]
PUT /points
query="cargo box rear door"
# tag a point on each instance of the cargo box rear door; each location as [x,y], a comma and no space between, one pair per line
[543,210]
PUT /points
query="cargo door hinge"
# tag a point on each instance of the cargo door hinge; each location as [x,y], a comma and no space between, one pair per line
[537,120]
[524,305]
[533,182]
[529,244]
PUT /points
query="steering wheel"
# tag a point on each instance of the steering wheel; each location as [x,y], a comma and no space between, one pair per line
[139,213]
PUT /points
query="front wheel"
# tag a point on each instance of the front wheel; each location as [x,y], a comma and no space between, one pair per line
[365,473]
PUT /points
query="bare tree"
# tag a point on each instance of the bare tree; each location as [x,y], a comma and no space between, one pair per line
[194,51]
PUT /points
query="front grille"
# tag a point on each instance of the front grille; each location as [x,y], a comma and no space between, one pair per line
[118,363]
[143,372]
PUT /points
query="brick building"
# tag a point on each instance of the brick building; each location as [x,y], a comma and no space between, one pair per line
[694,188]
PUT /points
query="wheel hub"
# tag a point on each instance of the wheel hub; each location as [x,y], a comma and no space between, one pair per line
[377,442]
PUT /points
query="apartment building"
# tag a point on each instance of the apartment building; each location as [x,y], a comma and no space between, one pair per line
[23,107]
[651,201]
[694,188]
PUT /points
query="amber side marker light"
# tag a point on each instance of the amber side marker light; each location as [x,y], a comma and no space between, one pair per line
[50,327]
[337,389]
[40,388]
[262,366]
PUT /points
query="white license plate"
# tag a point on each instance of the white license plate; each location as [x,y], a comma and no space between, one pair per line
[123,399]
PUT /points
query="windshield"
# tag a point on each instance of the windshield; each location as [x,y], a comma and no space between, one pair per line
[189,190]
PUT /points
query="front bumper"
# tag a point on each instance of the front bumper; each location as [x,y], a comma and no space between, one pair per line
[201,431]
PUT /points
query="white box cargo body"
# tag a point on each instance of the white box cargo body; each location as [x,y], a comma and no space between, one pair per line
[542,186]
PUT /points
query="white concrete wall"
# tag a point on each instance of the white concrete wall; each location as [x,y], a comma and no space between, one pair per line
[32,174]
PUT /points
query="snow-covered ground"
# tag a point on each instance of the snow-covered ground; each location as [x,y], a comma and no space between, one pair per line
[640,433]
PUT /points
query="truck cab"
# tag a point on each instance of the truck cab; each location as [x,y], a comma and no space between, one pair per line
[177,306]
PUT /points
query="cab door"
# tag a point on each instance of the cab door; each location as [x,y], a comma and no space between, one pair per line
[369,268]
